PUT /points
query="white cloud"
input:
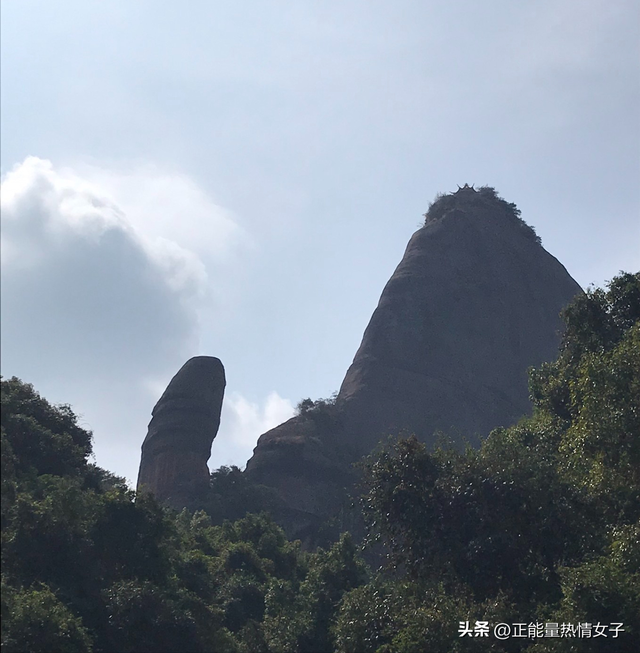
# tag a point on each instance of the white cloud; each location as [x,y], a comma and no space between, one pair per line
[243,422]
[169,205]
[100,302]
[46,210]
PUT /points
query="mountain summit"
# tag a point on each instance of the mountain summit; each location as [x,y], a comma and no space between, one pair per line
[473,304]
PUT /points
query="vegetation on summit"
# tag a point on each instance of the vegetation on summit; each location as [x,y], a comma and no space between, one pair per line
[541,524]
[484,198]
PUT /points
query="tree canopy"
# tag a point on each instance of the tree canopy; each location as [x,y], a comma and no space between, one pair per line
[484,198]
[540,525]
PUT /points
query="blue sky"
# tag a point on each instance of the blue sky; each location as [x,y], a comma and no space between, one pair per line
[240,180]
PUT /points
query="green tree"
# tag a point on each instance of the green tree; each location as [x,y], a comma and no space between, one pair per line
[302,621]
[544,517]
[36,620]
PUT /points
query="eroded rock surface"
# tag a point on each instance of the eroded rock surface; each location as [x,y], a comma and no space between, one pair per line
[473,304]
[306,461]
[183,426]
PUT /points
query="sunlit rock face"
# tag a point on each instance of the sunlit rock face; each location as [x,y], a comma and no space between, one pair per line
[473,304]
[184,423]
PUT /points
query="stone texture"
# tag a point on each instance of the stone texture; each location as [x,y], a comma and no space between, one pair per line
[306,461]
[473,304]
[183,426]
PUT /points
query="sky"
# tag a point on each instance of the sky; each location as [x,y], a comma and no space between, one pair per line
[240,180]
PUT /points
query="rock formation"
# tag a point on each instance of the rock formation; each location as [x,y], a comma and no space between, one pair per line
[473,304]
[183,426]
[307,460]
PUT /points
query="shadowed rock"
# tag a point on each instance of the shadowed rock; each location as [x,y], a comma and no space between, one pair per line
[183,426]
[473,304]
[307,461]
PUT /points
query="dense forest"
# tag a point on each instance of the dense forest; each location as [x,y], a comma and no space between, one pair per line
[538,529]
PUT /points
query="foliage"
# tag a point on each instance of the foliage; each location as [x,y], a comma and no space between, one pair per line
[485,198]
[302,620]
[39,622]
[402,616]
[541,524]
[324,412]
[544,517]
[88,566]
[42,439]
[232,496]
[592,395]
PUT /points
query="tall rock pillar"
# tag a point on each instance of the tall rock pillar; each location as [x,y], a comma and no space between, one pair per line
[183,426]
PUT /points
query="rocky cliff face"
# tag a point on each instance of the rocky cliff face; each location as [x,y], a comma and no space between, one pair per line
[308,461]
[183,426]
[473,304]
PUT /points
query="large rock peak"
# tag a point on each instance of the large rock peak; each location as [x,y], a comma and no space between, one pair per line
[473,304]
[184,423]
